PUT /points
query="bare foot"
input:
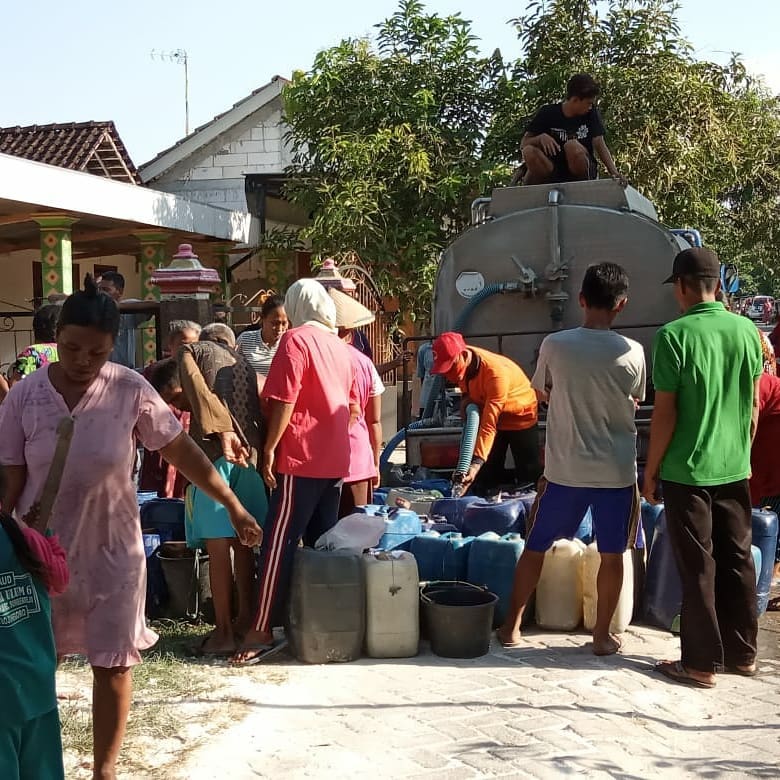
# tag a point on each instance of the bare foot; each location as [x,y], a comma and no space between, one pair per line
[509,639]
[607,646]
[218,644]
[251,641]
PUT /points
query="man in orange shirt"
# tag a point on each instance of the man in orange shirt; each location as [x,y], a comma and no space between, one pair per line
[507,407]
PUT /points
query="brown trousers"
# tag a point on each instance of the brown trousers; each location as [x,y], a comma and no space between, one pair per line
[711,531]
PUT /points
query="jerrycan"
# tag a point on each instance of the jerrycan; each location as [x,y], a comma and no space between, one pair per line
[453,509]
[559,592]
[441,556]
[492,562]
[392,604]
[380,495]
[650,513]
[499,516]
[625,607]
[585,531]
[401,526]
[419,500]
[327,609]
[765,538]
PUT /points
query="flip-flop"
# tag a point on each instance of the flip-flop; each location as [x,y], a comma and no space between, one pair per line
[508,645]
[261,652]
[201,652]
[675,671]
[773,605]
[742,672]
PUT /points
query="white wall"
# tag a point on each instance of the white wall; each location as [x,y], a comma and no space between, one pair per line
[215,174]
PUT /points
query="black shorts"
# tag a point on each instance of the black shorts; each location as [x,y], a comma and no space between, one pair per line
[561,173]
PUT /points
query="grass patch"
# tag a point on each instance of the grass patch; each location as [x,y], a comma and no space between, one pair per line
[167,691]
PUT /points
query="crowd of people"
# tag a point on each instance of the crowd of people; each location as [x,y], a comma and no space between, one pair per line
[276,434]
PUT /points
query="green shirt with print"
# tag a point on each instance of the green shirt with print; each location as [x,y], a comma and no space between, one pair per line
[710,358]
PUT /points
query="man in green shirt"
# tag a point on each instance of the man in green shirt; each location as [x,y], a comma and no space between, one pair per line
[706,367]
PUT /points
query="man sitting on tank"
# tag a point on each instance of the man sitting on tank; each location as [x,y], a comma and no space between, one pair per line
[561,139]
[507,406]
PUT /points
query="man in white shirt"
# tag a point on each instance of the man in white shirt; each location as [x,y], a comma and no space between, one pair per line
[593,379]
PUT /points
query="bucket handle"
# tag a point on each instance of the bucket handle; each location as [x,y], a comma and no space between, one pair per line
[423,585]
[194,595]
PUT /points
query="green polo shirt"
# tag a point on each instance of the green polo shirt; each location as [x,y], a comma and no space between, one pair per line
[710,358]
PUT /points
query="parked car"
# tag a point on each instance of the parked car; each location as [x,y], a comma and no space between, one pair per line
[761,308]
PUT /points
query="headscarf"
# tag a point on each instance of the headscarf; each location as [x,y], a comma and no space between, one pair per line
[307,303]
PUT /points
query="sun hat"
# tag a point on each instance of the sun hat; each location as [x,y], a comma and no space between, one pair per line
[350,313]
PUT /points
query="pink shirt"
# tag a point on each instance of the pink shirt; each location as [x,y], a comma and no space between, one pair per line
[361,464]
[313,370]
[95,515]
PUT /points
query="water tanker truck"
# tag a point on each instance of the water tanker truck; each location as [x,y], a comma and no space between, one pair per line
[514,276]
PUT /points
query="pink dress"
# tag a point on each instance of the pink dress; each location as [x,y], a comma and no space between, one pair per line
[101,614]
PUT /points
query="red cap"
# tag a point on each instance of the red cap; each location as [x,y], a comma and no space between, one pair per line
[446,349]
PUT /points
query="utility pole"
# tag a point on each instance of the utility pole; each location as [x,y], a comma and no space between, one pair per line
[179,57]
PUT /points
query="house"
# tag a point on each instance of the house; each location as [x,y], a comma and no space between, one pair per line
[237,161]
[71,204]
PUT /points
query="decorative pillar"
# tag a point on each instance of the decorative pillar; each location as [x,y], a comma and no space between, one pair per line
[222,259]
[151,257]
[185,288]
[56,254]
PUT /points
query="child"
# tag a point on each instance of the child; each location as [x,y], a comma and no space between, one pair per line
[32,566]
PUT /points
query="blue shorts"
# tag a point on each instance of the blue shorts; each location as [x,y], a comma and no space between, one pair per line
[559,510]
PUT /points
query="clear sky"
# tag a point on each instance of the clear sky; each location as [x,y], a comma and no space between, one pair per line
[90,59]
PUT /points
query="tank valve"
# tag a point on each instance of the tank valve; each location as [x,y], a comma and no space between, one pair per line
[557,302]
[527,276]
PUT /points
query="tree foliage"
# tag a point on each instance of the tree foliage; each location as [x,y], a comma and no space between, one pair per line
[392,139]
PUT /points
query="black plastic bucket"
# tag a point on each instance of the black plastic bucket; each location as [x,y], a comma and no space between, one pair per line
[186,573]
[458,617]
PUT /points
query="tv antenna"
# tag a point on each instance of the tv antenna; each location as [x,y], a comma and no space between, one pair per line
[178,57]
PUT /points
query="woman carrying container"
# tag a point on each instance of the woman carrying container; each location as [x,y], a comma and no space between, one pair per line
[365,433]
[101,615]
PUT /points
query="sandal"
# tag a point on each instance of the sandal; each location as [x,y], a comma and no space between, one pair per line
[675,671]
[201,652]
[260,653]
[750,672]
[507,645]
[773,605]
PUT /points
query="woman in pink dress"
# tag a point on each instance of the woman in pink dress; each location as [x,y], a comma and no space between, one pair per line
[101,615]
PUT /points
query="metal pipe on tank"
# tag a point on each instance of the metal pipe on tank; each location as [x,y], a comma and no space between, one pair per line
[478,208]
[557,271]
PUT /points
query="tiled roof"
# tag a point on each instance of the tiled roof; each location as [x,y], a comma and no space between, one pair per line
[93,147]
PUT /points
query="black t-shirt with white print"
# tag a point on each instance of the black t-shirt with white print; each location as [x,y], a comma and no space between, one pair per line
[551,119]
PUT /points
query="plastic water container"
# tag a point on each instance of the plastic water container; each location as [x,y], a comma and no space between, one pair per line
[401,526]
[663,589]
[500,517]
[559,592]
[624,611]
[585,531]
[166,517]
[392,604]
[453,509]
[492,562]
[327,610]
[765,538]
[380,495]
[650,515]
[156,591]
[441,556]
[420,500]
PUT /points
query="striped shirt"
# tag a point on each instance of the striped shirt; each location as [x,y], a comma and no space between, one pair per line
[257,353]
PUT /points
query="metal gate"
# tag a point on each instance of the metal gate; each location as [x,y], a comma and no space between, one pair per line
[379,333]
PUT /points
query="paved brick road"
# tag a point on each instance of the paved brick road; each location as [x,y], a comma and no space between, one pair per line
[548,710]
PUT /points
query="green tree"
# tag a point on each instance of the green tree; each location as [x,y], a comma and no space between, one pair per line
[387,141]
[697,138]
[393,139]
